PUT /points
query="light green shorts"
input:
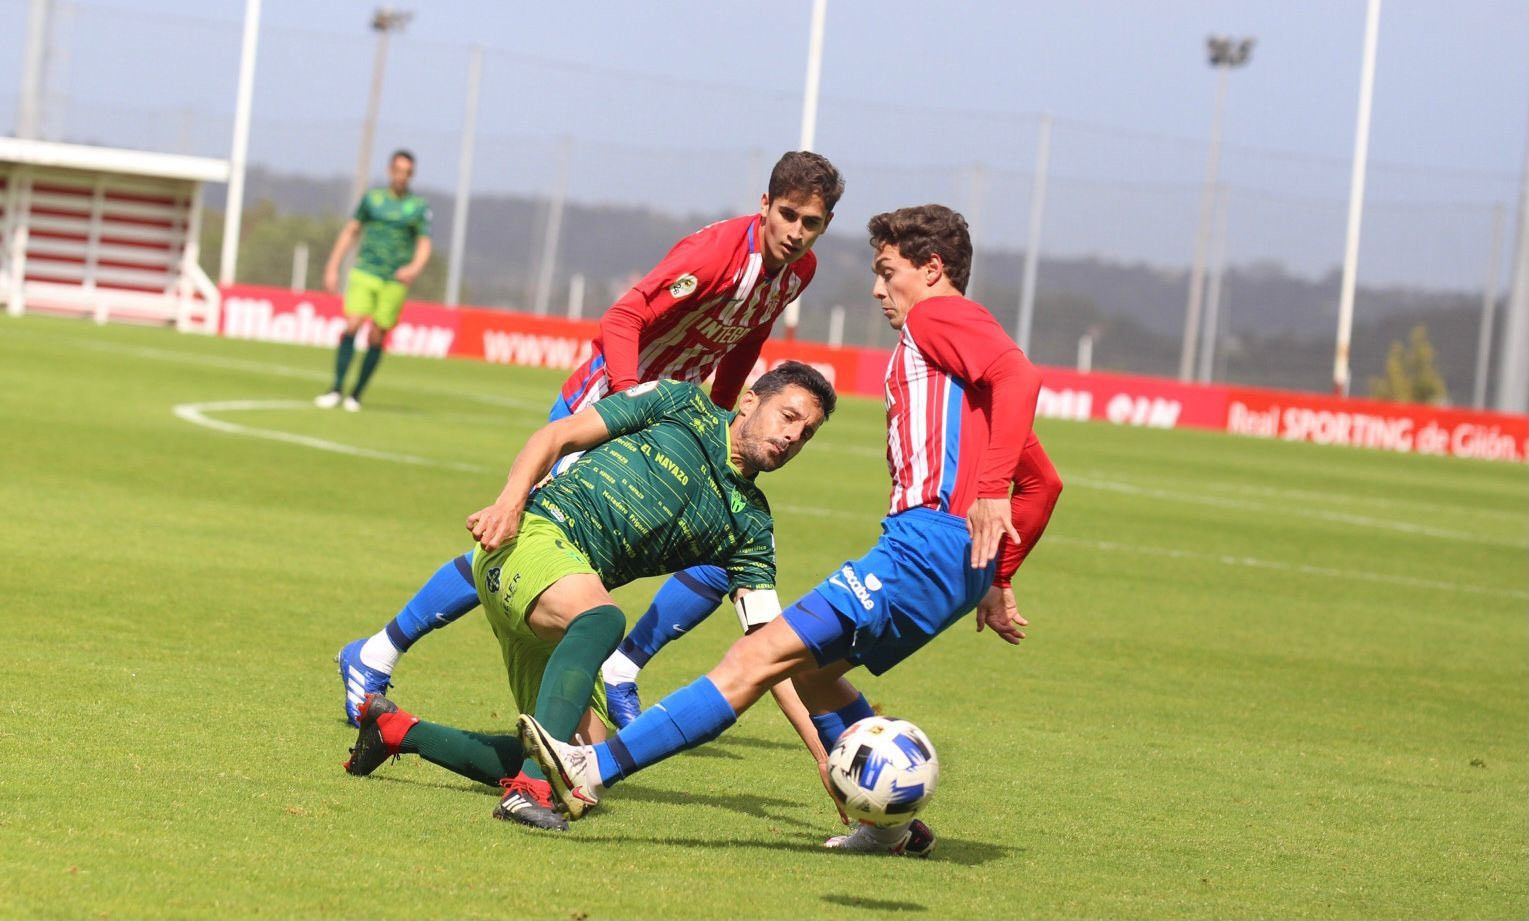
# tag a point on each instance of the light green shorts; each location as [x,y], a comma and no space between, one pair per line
[366,295]
[509,580]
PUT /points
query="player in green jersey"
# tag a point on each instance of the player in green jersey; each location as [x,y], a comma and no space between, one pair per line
[393,225]
[666,482]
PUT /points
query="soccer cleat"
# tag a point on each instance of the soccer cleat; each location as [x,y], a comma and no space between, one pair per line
[359,680]
[917,841]
[352,405]
[372,744]
[529,802]
[327,400]
[571,769]
[622,703]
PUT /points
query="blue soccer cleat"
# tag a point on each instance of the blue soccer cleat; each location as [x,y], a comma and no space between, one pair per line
[359,680]
[622,703]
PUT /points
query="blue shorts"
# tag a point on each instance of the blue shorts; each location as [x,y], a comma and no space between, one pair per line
[885,606]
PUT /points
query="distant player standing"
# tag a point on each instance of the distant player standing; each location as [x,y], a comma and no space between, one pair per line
[393,225]
[707,308]
[971,494]
[668,482]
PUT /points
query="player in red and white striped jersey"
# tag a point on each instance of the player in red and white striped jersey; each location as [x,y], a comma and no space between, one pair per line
[706,308]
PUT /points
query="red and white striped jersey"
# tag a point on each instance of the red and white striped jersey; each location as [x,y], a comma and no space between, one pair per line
[960,401]
[707,307]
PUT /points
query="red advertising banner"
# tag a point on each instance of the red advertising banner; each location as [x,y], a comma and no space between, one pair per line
[316,318]
[1129,400]
[512,338]
[1373,424]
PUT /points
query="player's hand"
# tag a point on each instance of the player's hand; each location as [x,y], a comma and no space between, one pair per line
[494,525]
[407,274]
[987,522]
[998,610]
[331,280]
[823,775]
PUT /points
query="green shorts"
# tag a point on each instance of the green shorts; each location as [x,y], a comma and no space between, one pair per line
[366,295]
[509,580]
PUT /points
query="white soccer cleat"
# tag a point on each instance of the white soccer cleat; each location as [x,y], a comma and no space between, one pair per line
[573,770]
[327,400]
[914,840]
[352,405]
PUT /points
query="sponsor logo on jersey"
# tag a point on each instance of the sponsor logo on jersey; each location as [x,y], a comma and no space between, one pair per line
[492,579]
[858,589]
[872,583]
[683,287]
[640,389]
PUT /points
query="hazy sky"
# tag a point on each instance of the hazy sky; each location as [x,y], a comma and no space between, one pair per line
[683,105]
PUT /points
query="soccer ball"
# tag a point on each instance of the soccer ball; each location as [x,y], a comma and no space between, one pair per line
[883,771]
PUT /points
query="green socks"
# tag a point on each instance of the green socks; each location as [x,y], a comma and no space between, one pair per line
[566,687]
[569,679]
[484,758]
[368,365]
[342,358]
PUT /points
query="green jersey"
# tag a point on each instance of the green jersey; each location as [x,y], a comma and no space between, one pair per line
[662,494]
[390,229]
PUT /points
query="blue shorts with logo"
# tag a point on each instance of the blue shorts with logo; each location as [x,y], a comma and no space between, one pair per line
[885,606]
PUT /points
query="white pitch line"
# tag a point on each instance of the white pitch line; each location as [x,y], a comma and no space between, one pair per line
[1227,559]
[1363,521]
[195,413]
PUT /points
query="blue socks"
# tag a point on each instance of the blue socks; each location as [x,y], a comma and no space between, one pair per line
[832,724]
[683,601]
[691,716]
[449,594]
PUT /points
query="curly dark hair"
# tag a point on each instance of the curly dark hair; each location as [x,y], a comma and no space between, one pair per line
[798,374]
[802,171]
[924,231]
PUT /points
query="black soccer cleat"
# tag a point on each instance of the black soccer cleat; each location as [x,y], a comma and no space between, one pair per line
[529,802]
[370,750]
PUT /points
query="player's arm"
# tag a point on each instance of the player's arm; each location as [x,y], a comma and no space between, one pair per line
[673,284]
[966,341]
[499,522]
[1036,490]
[422,250]
[342,244]
[753,615]
[735,366]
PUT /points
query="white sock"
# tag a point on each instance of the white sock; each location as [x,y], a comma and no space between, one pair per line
[379,653]
[619,669]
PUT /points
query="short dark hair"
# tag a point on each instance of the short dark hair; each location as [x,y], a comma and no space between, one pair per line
[401,152]
[924,231]
[805,172]
[798,374]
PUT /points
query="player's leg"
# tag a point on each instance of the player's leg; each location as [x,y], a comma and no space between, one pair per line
[685,600]
[366,664]
[686,718]
[389,306]
[387,731]
[360,303]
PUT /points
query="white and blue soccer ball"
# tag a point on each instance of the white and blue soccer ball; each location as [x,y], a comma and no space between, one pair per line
[883,771]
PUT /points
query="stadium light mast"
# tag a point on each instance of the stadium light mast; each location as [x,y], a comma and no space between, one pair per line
[809,120]
[464,178]
[385,21]
[1356,201]
[233,211]
[1225,53]
[27,108]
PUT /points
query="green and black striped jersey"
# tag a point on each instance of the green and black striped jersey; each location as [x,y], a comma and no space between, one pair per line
[662,494]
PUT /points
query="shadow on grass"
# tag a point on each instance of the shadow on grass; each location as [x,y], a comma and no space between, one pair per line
[744,804]
[879,905]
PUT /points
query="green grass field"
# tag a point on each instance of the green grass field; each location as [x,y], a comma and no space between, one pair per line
[1262,679]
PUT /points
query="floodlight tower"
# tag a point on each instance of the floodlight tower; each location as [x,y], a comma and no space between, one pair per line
[385,21]
[1225,53]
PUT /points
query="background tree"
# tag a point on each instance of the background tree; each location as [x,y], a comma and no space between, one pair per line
[1410,375]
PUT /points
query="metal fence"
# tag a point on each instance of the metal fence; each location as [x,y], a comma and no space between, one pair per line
[1121,206]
